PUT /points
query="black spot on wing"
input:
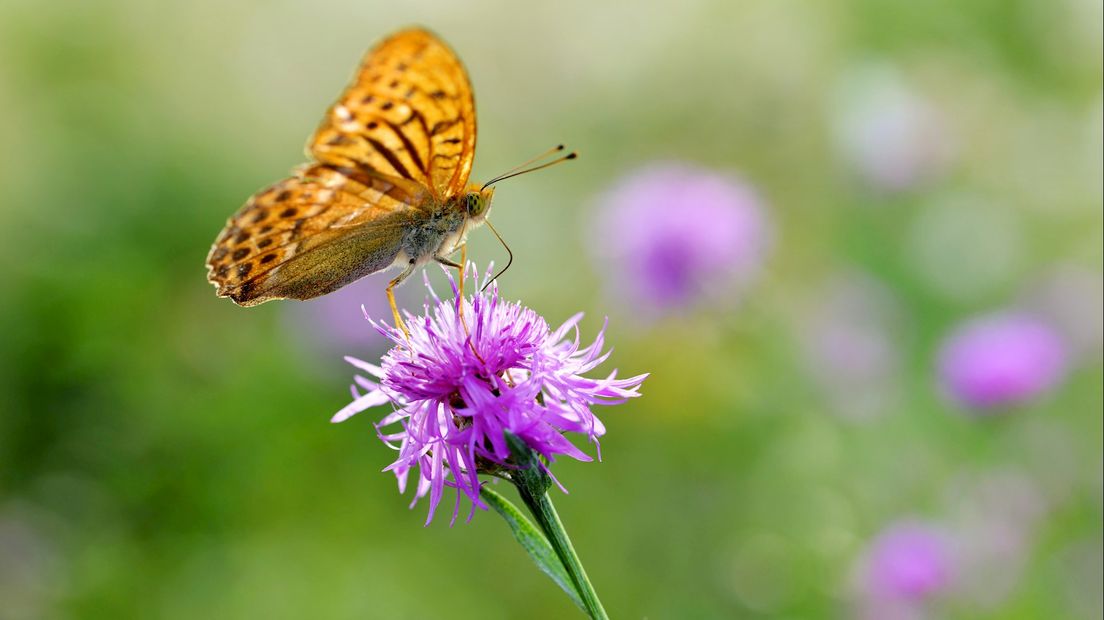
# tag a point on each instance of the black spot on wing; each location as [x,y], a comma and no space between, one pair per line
[440,126]
[391,159]
[413,152]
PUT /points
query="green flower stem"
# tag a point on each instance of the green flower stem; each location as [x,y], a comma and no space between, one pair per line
[534,542]
[532,482]
[540,505]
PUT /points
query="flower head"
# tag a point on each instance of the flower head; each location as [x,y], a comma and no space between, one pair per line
[672,234]
[908,561]
[471,370]
[1000,360]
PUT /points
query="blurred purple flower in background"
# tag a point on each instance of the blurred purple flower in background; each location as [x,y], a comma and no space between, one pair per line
[335,323]
[891,136]
[672,234]
[848,336]
[458,384]
[910,561]
[1000,360]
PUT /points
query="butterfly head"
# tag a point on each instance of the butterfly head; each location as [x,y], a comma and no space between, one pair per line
[477,202]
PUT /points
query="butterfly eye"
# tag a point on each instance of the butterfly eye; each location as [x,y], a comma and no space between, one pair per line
[474,206]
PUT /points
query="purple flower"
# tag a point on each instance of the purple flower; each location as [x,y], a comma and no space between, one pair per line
[1000,360]
[673,234]
[460,381]
[909,561]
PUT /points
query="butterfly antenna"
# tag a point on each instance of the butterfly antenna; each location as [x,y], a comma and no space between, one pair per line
[552,151]
[509,253]
[555,149]
[510,175]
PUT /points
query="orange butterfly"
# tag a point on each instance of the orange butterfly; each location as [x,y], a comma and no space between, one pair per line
[388,185]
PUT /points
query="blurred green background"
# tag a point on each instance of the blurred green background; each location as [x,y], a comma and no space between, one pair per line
[164,453]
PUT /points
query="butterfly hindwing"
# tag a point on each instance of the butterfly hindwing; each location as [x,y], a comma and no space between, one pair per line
[309,235]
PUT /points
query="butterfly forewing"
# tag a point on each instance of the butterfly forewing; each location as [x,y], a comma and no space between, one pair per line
[309,235]
[408,113]
[396,148]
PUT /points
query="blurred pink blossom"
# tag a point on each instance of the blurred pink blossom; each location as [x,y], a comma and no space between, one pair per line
[671,235]
[908,561]
[1000,360]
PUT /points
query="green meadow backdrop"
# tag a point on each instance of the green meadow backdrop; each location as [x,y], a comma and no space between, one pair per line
[166,454]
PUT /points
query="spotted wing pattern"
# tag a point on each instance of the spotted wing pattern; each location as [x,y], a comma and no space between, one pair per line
[408,113]
[310,235]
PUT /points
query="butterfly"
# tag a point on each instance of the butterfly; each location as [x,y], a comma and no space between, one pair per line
[387,184]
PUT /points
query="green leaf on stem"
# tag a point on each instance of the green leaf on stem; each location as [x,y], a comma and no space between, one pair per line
[533,541]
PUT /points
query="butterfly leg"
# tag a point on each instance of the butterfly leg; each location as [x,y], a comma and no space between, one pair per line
[463,266]
[447,263]
[459,270]
[460,290]
[460,274]
[391,296]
